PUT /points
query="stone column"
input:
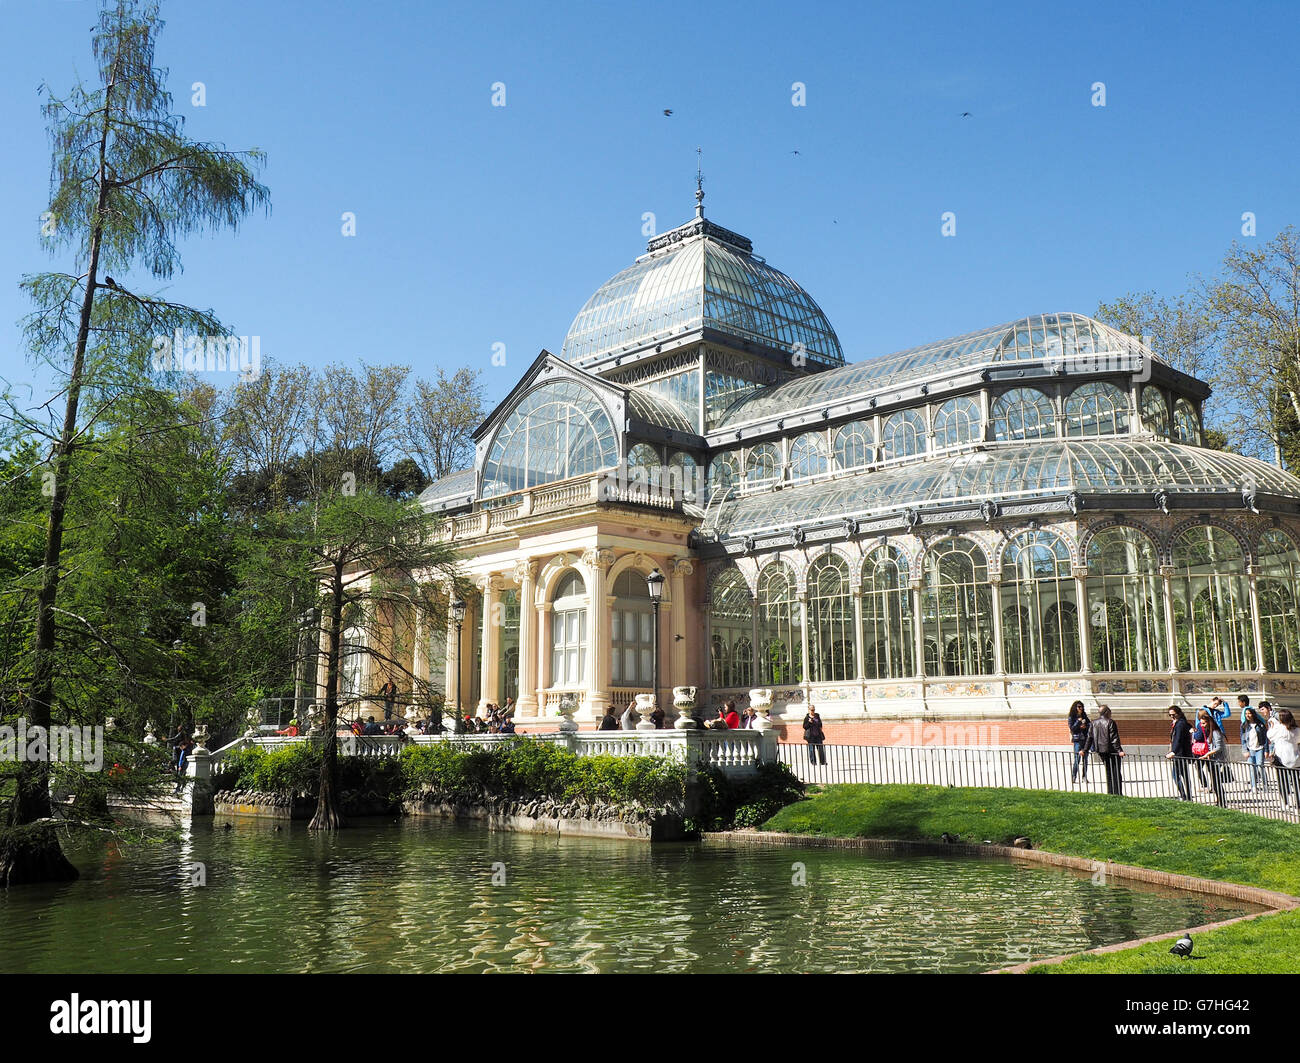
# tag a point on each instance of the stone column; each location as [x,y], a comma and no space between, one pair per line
[1171,635]
[597,562]
[489,666]
[806,677]
[453,662]
[526,573]
[918,630]
[855,590]
[1256,624]
[543,655]
[677,646]
[1084,618]
[999,658]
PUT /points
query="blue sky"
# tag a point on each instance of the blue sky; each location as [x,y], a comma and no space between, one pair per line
[479,225]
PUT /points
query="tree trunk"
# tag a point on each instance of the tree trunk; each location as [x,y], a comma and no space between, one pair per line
[327,813]
[35,855]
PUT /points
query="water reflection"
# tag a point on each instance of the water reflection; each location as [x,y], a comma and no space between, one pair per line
[423,896]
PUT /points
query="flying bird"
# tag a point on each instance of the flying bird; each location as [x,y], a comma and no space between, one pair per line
[794,151]
[967,114]
[1183,946]
[668,112]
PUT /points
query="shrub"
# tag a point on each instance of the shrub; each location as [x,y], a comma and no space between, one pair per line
[723,803]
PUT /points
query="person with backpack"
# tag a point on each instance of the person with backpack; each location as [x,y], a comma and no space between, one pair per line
[1103,738]
[1213,752]
[1285,737]
[1254,743]
[815,736]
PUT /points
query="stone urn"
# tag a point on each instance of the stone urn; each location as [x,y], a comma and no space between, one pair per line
[760,700]
[150,734]
[254,717]
[567,707]
[645,705]
[684,704]
[201,737]
[315,719]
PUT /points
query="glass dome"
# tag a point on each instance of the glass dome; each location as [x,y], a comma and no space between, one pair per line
[700,279]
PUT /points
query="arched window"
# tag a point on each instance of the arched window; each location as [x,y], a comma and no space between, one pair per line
[643,456]
[569,632]
[632,631]
[1155,411]
[1023,413]
[1096,409]
[1125,611]
[957,608]
[684,477]
[853,445]
[762,465]
[779,640]
[808,456]
[958,421]
[731,614]
[1040,619]
[1211,598]
[1187,426]
[724,473]
[558,430]
[1277,587]
[902,435]
[887,641]
[644,470]
[831,634]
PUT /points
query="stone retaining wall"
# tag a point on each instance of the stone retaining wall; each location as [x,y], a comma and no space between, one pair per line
[546,816]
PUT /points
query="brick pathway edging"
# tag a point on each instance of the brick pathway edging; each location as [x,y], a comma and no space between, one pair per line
[1270,899]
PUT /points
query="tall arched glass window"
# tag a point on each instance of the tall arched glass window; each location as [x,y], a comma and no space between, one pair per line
[831,634]
[632,631]
[762,465]
[902,435]
[958,421]
[1023,413]
[853,442]
[1096,409]
[684,477]
[1277,587]
[779,655]
[558,430]
[887,642]
[1155,411]
[1125,604]
[731,616]
[569,632]
[1187,426]
[1211,597]
[645,457]
[957,608]
[808,456]
[1040,616]
[724,473]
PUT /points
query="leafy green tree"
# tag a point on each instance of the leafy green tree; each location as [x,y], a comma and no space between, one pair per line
[127,183]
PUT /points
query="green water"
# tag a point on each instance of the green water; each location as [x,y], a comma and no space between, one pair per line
[420,896]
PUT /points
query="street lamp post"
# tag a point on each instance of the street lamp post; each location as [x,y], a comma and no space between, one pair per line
[655,585]
[458,608]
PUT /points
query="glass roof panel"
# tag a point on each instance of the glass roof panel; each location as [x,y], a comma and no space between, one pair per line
[1116,466]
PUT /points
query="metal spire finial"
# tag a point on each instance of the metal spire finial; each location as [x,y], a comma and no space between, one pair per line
[699,182]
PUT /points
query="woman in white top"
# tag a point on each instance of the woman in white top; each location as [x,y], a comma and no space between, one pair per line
[1285,736]
[627,721]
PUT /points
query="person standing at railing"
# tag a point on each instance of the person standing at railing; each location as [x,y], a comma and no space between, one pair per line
[388,692]
[815,736]
[1254,743]
[1285,736]
[1103,739]
[1180,751]
[608,722]
[1078,723]
[1214,751]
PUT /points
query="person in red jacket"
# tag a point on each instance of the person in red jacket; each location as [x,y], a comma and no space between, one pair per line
[732,716]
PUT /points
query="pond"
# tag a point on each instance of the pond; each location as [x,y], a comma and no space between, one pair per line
[424,896]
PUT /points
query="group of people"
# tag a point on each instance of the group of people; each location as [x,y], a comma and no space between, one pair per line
[728,719]
[494,720]
[1269,738]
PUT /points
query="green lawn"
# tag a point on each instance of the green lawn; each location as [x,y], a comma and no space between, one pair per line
[1157,833]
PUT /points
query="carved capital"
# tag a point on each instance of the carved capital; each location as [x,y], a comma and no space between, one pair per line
[598,558]
[683,566]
